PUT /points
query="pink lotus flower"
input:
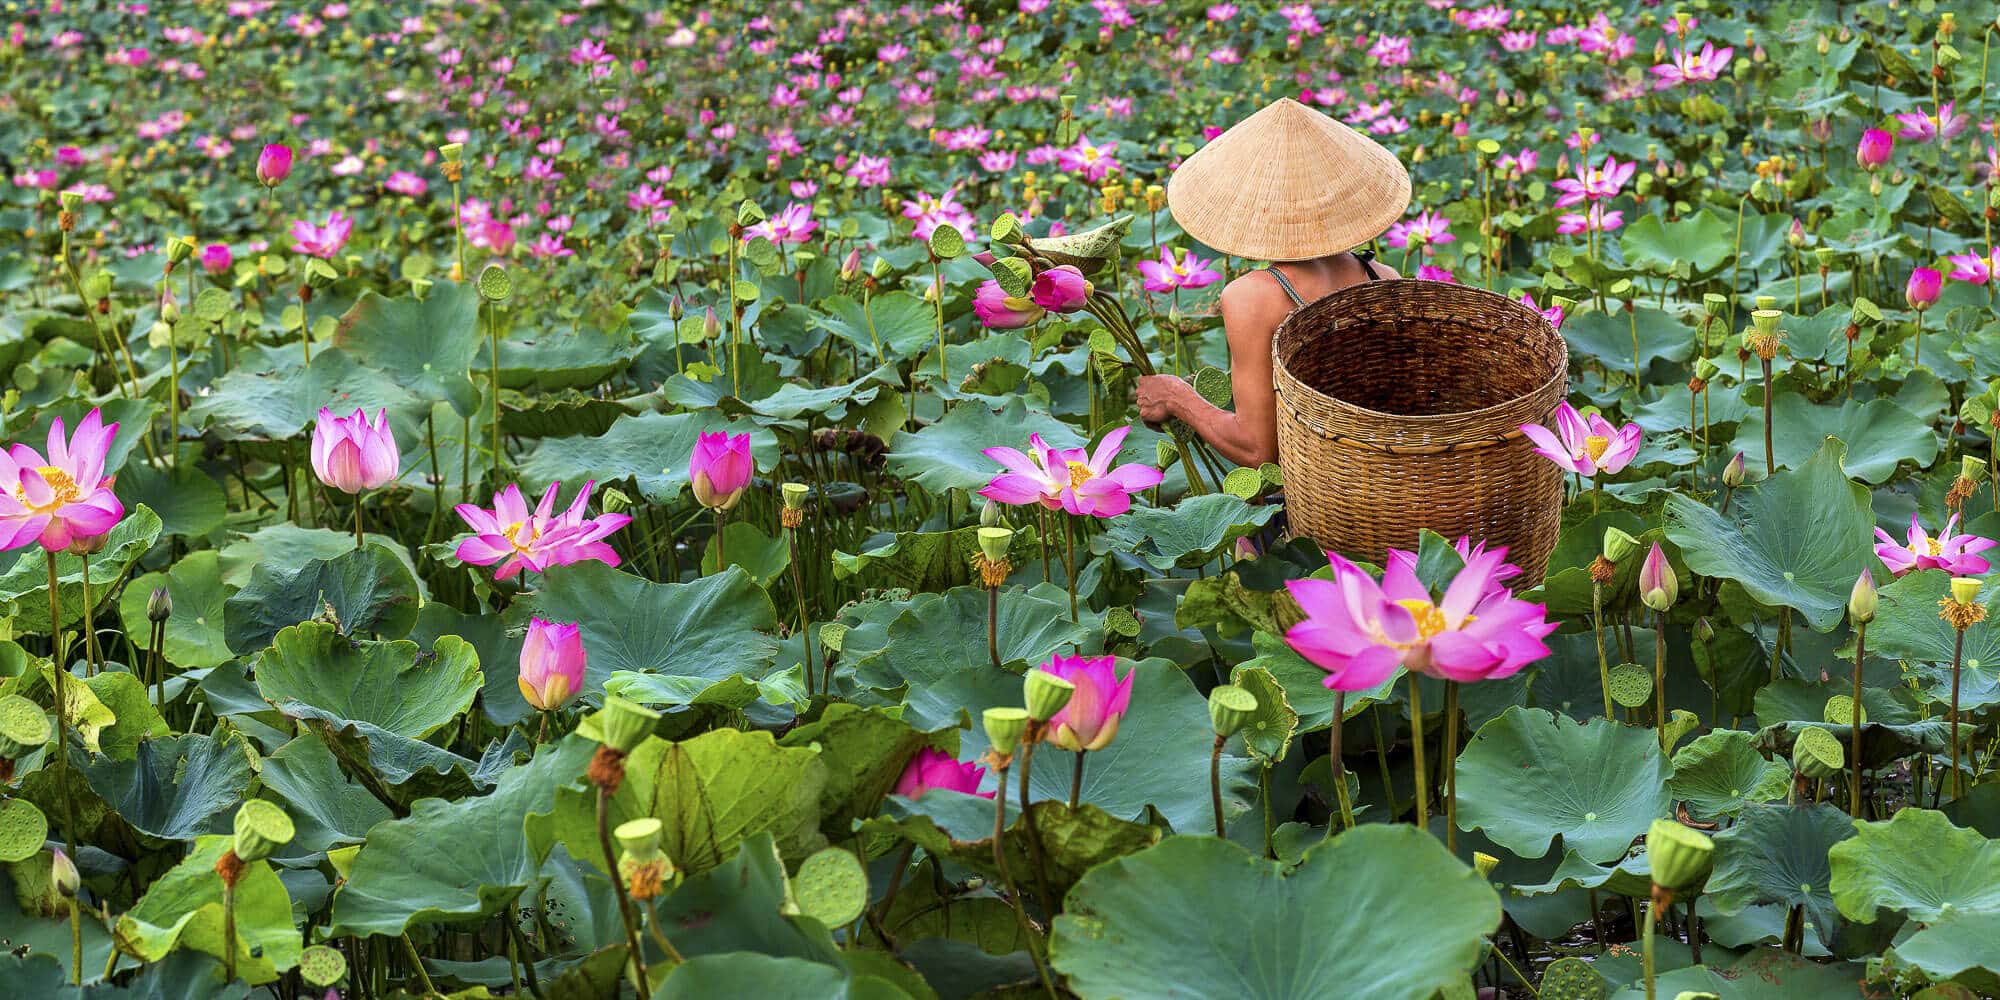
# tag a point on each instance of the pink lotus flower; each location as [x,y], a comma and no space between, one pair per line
[353,454]
[1595,219]
[1061,289]
[405,183]
[936,769]
[216,258]
[520,539]
[929,212]
[1090,720]
[1000,311]
[1921,292]
[1425,229]
[1595,183]
[1429,272]
[274,164]
[1554,313]
[1360,631]
[1689,66]
[1518,164]
[1943,123]
[1092,161]
[323,241]
[720,468]
[1875,149]
[1071,479]
[1973,268]
[552,662]
[1168,274]
[1586,446]
[1952,552]
[793,225]
[64,498]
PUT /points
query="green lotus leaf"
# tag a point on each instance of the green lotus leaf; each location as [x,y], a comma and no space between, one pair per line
[290,546]
[195,637]
[176,788]
[937,646]
[1952,945]
[565,358]
[1879,435]
[1703,240]
[772,978]
[1411,919]
[1798,539]
[748,548]
[927,560]
[1268,732]
[1916,863]
[947,454]
[426,345]
[902,324]
[1528,776]
[1189,534]
[1894,727]
[498,640]
[1606,338]
[651,449]
[1721,773]
[365,591]
[1907,627]
[24,585]
[189,503]
[1764,974]
[959,827]
[313,671]
[864,752]
[327,809]
[711,628]
[1778,854]
[183,909]
[250,405]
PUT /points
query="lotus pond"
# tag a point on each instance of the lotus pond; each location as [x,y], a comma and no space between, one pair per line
[566,500]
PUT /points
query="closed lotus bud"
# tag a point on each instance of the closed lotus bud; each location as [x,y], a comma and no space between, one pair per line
[1680,855]
[1618,544]
[676,309]
[989,514]
[1004,728]
[274,164]
[1732,474]
[24,727]
[1229,707]
[623,724]
[261,828]
[1658,589]
[1965,590]
[850,266]
[160,605]
[1817,754]
[1704,630]
[63,872]
[710,326]
[1045,694]
[993,543]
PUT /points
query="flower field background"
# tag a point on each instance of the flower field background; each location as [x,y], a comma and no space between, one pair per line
[581,501]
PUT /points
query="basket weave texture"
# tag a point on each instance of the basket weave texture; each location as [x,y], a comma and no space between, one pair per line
[1399,408]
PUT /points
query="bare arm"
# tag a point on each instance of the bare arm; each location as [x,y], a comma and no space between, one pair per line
[1249,435]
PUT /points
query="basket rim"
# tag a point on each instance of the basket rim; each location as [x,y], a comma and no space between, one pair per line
[1282,373]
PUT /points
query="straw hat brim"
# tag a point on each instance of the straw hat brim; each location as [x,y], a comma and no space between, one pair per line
[1288,183]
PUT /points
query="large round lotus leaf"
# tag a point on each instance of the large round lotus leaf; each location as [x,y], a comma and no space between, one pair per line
[1765,974]
[311,669]
[183,909]
[367,591]
[1879,435]
[1895,725]
[175,788]
[1197,917]
[1607,338]
[1778,854]
[23,828]
[1917,864]
[713,627]
[1529,776]
[831,886]
[1798,539]
[249,405]
[326,807]
[562,357]
[959,828]
[194,631]
[1952,945]
[1721,772]
[864,751]
[426,345]
[1190,533]
[937,646]
[190,503]
[1907,626]
[651,448]
[901,324]
[768,977]
[947,453]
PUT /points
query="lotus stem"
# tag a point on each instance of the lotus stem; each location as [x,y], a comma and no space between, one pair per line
[1854,725]
[637,955]
[76,937]
[1069,563]
[493,346]
[62,704]
[228,931]
[305,319]
[1028,744]
[1417,743]
[360,537]
[1652,915]
[1957,660]
[1660,678]
[1597,629]
[1006,879]
[1333,749]
[1770,455]
[1042,531]
[520,942]
[993,634]
[805,624]
[720,557]
[1215,784]
[659,938]
[417,963]
[89,623]
[1076,779]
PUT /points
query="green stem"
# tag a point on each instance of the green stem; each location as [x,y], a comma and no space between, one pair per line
[1652,914]
[1215,783]
[417,963]
[1013,891]
[1033,738]
[636,953]
[493,345]
[1417,742]
[61,668]
[1660,679]
[1076,780]
[1854,723]
[1333,750]
[1957,659]
[228,932]
[1451,766]
[1597,628]
[1069,563]
[76,937]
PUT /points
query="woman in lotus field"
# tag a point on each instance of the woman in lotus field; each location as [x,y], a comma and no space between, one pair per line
[1294,187]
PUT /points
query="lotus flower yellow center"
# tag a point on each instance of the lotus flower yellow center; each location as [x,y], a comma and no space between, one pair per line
[1090,153]
[1594,446]
[514,532]
[1936,549]
[60,484]
[1079,474]
[1429,618]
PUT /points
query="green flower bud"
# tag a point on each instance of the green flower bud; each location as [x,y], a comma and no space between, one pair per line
[989,515]
[1045,694]
[1618,544]
[993,543]
[1680,855]
[261,828]
[1004,728]
[63,871]
[794,495]
[1704,630]
[1733,474]
[623,724]
[1817,754]
[24,727]
[159,605]
[1863,600]
[1229,707]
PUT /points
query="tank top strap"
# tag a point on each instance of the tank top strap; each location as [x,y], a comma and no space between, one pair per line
[1286,284]
[1366,258]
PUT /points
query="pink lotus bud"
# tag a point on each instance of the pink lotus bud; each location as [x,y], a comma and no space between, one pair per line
[1658,588]
[63,872]
[274,164]
[353,454]
[720,468]
[1922,291]
[936,769]
[850,268]
[1877,145]
[1061,289]
[216,258]
[1090,720]
[552,662]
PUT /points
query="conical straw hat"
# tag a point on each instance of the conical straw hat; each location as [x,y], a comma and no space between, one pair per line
[1288,183]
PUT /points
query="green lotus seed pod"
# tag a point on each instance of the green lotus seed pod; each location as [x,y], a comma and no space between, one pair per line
[749,213]
[879,269]
[1839,711]
[495,284]
[1767,302]
[1006,229]
[1484,863]
[993,543]
[1706,369]
[452,151]
[179,249]
[1572,979]
[1971,469]
[1680,855]
[1618,545]
[261,828]
[1696,995]
[23,727]
[1122,621]
[320,274]
[70,200]
[623,724]
[1004,728]
[1045,694]
[1765,321]
[832,635]
[640,837]
[23,829]
[794,495]
[1965,589]
[831,887]
[1165,454]
[1818,754]
[1229,707]
[1631,685]
[322,966]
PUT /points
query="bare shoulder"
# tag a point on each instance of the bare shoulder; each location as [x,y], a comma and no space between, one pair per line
[1382,269]
[1254,301]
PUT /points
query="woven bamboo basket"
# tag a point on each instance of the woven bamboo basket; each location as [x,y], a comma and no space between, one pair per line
[1399,408]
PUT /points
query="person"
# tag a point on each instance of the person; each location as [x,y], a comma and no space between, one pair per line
[1294,187]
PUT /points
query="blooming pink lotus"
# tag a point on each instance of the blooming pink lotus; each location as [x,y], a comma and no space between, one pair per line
[1595,183]
[793,225]
[1094,162]
[1952,552]
[216,258]
[720,468]
[1090,720]
[1942,123]
[1585,445]
[1874,149]
[1689,66]
[936,769]
[1360,631]
[1973,268]
[1168,274]
[1070,479]
[1593,220]
[352,453]
[1000,311]
[1061,289]
[520,539]
[61,499]
[552,664]
[1554,313]
[322,241]
[1425,229]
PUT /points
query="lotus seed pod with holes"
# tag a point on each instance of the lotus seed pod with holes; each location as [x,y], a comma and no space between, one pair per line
[1971,469]
[1863,600]
[452,151]
[321,966]
[749,213]
[1818,754]
[1618,545]
[24,727]
[993,543]
[1572,979]
[1826,257]
[23,829]
[261,828]
[495,284]
[62,871]
[1765,321]
[1229,707]
[1004,728]
[1680,855]
[1767,302]
[640,837]
[832,635]
[879,270]
[1839,711]
[1045,694]
[623,724]
[1631,685]
[831,887]
[320,274]
[794,495]
[1006,229]
[1964,589]
[1706,369]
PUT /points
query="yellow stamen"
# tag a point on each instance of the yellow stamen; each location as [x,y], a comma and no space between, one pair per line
[1429,618]
[1079,474]
[1595,446]
[514,531]
[60,484]
[1936,549]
